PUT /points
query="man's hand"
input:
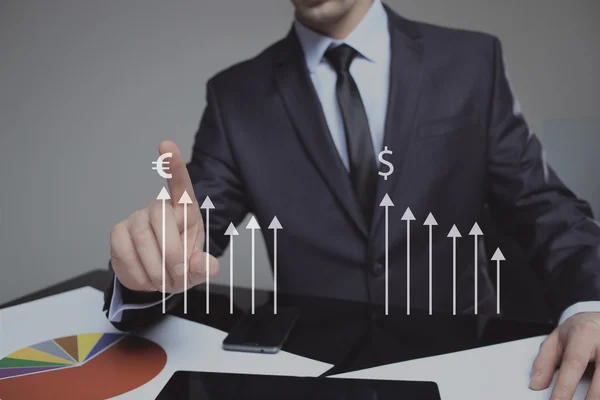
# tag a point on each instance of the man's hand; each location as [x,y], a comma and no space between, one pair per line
[573,345]
[136,243]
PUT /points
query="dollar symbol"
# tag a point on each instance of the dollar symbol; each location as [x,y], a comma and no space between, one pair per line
[386,162]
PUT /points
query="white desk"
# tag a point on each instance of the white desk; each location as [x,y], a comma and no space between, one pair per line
[495,372]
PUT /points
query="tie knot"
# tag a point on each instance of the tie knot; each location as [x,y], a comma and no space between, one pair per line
[340,57]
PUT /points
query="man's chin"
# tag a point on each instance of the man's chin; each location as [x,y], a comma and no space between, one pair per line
[307,4]
[319,12]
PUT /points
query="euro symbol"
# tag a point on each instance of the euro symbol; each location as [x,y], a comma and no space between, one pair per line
[160,165]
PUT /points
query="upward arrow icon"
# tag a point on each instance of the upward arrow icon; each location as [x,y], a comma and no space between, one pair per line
[207,205]
[475,232]
[275,226]
[164,196]
[408,216]
[253,226]
[431,222]
[231,232]
[498,256]
[387,203]
[454,234]
[185,200]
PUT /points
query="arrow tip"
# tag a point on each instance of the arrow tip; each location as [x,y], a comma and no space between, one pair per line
[207,204]
[163,195]
[498,256]
[476,230]
[430,220]
[386,202]
[252,224]
[454,232]
[185,198]
[408,215]
[275,224]
[231,231]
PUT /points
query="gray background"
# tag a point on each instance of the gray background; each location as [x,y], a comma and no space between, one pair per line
[89,88]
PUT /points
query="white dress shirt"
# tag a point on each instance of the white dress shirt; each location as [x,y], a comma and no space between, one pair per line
[371,72]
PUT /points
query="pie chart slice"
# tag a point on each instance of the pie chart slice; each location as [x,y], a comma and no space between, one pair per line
[9,362]
[85,343]
[69,345]
[103,342]
[30,354]
[50,347]
[8,372]
[107,365]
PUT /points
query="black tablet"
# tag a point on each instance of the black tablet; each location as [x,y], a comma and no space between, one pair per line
[219,386]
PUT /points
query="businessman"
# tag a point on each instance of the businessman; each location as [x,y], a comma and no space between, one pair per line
[295,133]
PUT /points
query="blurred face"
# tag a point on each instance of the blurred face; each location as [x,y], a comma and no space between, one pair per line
[322,12]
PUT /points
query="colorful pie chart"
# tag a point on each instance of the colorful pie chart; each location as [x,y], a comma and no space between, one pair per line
[87,366]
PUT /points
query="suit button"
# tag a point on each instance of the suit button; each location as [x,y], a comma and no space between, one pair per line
[378,269]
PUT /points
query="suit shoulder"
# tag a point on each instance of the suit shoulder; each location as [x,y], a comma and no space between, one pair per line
[474,50]
[446,36]
[247,71]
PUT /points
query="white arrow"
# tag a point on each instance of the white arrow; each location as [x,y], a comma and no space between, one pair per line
[408,216]
[207,205]
[387,203]
[498,256]
[476,231]
[454,234]
[275,225]
[231,232]
[164,196]
[431,222]
[253,225]
[185,200]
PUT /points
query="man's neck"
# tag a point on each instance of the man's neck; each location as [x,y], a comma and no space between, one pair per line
[341,28]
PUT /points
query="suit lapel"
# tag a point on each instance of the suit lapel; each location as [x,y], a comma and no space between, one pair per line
[405,88]
[304,109]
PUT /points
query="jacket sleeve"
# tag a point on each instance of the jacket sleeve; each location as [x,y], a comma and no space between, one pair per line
[528,200]
[214,173]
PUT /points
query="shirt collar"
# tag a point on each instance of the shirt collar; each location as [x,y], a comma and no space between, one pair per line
[370,38]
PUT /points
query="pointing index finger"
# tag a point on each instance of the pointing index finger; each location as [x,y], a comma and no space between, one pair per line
[180,181]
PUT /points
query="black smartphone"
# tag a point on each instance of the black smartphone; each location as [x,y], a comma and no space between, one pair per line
[262,332]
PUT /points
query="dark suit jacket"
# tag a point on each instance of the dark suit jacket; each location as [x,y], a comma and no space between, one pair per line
[459,143]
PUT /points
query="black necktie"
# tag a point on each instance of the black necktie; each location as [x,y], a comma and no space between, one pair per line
[363,167]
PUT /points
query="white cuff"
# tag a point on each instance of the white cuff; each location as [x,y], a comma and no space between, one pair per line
[581,307]
[115,312]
